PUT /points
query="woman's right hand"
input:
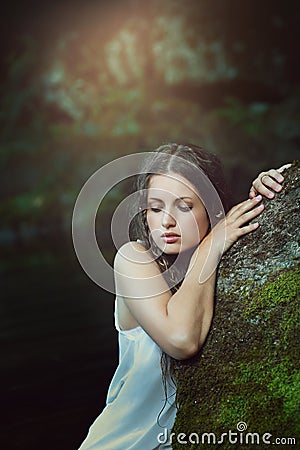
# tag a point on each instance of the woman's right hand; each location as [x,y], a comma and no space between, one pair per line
[236,222]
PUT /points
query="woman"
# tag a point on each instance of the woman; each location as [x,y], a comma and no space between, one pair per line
[165,281]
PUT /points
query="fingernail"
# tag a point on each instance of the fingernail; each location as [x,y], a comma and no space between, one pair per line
[271,194]
[278,188]
[258,197]
[279,178]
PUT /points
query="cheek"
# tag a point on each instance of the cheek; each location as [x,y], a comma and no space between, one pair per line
[197,226]
[153,221]
[150,221]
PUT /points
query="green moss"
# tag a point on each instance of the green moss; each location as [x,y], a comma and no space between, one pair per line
[248,372]
[268,380]
[281,289]
[233,409]
[275,302]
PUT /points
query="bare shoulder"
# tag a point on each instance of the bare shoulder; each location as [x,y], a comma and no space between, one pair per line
[133,253]
[136,273]
[132,249]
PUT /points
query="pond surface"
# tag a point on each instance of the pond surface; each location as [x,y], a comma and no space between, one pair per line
[59,346]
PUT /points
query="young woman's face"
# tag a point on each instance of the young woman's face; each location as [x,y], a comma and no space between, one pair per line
[176,216]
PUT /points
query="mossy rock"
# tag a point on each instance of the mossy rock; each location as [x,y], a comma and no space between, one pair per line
[247,373]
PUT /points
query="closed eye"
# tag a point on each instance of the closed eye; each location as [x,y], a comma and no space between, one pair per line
[185,208]
[155,209]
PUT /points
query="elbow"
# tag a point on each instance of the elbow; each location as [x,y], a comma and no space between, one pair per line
[186,343]
[184,347]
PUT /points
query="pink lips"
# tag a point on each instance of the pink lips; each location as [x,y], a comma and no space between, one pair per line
[170,238]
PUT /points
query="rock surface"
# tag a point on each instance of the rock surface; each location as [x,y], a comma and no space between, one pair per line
[246,377]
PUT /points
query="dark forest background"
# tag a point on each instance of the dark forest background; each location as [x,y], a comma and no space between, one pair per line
[83,82]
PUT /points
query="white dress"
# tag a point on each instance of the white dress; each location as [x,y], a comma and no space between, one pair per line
[137,415]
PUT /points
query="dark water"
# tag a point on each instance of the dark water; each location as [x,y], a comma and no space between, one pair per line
[59,346]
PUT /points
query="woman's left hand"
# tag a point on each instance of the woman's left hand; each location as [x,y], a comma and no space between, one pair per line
[267,183]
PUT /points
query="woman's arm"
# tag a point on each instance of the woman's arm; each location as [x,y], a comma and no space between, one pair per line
[268,182]
[179,323]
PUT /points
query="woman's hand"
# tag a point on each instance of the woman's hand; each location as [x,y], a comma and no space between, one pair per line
[268,182]
[236,222]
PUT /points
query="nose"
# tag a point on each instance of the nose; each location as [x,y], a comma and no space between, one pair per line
[168,220]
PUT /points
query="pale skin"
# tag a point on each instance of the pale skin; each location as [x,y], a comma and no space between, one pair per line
[177,218]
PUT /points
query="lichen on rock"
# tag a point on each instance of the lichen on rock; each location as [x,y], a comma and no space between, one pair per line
[248,369]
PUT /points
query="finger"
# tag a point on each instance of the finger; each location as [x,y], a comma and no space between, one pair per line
[282,168]
[248,228]
[242,231]
[243,207]
[261,188]
[268,181]
[275,174]
[264,191]
[249,215]
[255,184]
[252,192]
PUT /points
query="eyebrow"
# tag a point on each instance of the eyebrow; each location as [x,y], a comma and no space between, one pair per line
[177,198]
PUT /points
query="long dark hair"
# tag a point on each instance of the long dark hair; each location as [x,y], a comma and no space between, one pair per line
[189,160]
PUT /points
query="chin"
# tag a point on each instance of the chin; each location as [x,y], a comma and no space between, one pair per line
[177,248]
[171,251]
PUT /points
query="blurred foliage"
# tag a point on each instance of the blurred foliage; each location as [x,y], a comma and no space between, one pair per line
[94,81]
